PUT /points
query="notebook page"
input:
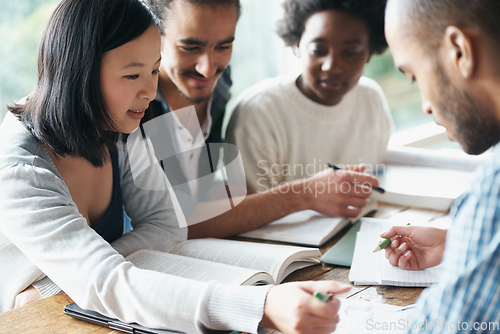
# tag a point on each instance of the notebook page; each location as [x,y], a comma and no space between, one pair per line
[365,268]
[370,268]
[392,275]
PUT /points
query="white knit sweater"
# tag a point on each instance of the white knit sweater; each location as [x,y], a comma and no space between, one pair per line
[283,135]
[43,234]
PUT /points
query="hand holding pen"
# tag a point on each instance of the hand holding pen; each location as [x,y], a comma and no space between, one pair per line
[414,247]
[336,193]
[335,167]
[384,243]
[297,307]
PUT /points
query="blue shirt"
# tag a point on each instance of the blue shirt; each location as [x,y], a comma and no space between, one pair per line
[467,298]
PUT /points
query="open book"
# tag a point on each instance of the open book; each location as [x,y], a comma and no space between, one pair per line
[307,227]
[370,268]
[425,178]
[228,261]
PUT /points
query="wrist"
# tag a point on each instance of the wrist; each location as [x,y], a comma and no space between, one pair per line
[266,321]
[297,195]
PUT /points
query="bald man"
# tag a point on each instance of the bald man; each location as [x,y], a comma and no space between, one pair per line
[450,48]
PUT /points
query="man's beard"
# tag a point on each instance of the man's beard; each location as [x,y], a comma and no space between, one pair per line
[475,123]
[200,99]
[196,100]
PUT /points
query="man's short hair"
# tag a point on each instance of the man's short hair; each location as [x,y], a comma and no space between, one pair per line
[162,7]
[297,12]
[431,17]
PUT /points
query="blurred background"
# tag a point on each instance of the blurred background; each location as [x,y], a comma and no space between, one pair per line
[258,54]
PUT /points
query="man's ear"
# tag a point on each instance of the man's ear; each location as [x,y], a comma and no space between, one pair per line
[458,49]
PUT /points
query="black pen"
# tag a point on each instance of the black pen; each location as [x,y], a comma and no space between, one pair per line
[335,167]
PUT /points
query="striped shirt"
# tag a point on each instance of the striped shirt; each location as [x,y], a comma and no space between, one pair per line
[467,298]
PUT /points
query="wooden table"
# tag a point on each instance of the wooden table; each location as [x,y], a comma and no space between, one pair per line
[46,316]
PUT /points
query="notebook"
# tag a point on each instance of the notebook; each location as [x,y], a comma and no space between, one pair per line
[114,324]
[341,253]
[370,268]
[307,227]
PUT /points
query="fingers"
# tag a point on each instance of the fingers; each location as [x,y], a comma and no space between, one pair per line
[324,315]
[349,178]
[324,287]
[356,182]
[403,231]
[407,261]
[29,295]
[399,255]
[356,168]
[346,211]
[319,325]
[291,307]
[345,206]
[394,251]
[354,202]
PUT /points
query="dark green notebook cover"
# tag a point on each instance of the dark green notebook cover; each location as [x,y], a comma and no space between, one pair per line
[341,253]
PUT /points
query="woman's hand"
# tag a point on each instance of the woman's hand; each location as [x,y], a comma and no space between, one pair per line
[415,247]
[291,308]
[27,296]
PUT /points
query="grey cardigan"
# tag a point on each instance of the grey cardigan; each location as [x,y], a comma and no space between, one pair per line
[42,234]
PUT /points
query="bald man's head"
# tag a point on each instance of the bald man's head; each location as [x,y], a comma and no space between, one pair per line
[426,20]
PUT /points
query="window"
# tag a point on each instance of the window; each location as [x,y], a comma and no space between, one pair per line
[259,53]
[21,27]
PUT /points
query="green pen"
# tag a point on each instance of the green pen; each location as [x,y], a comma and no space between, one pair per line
[383,244]
[323,297]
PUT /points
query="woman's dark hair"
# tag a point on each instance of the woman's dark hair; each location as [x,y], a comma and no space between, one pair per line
[66,110]
[297,12]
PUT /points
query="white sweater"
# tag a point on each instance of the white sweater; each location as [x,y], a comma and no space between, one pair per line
[43,234]
[283,135]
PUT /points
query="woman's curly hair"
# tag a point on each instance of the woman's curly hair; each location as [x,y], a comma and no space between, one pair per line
[297,12]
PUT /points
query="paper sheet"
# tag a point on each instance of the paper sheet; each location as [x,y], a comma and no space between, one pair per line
[370,268]
[359,316]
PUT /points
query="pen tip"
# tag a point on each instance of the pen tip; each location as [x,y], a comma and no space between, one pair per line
[377,249]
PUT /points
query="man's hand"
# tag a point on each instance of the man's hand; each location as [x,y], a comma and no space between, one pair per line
[415,247]
[291,308]
[27,296]
[339,193]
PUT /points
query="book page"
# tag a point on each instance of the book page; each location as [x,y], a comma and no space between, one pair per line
[195,269]
[273,259]
[370,268]
[422,186]
[306,227]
